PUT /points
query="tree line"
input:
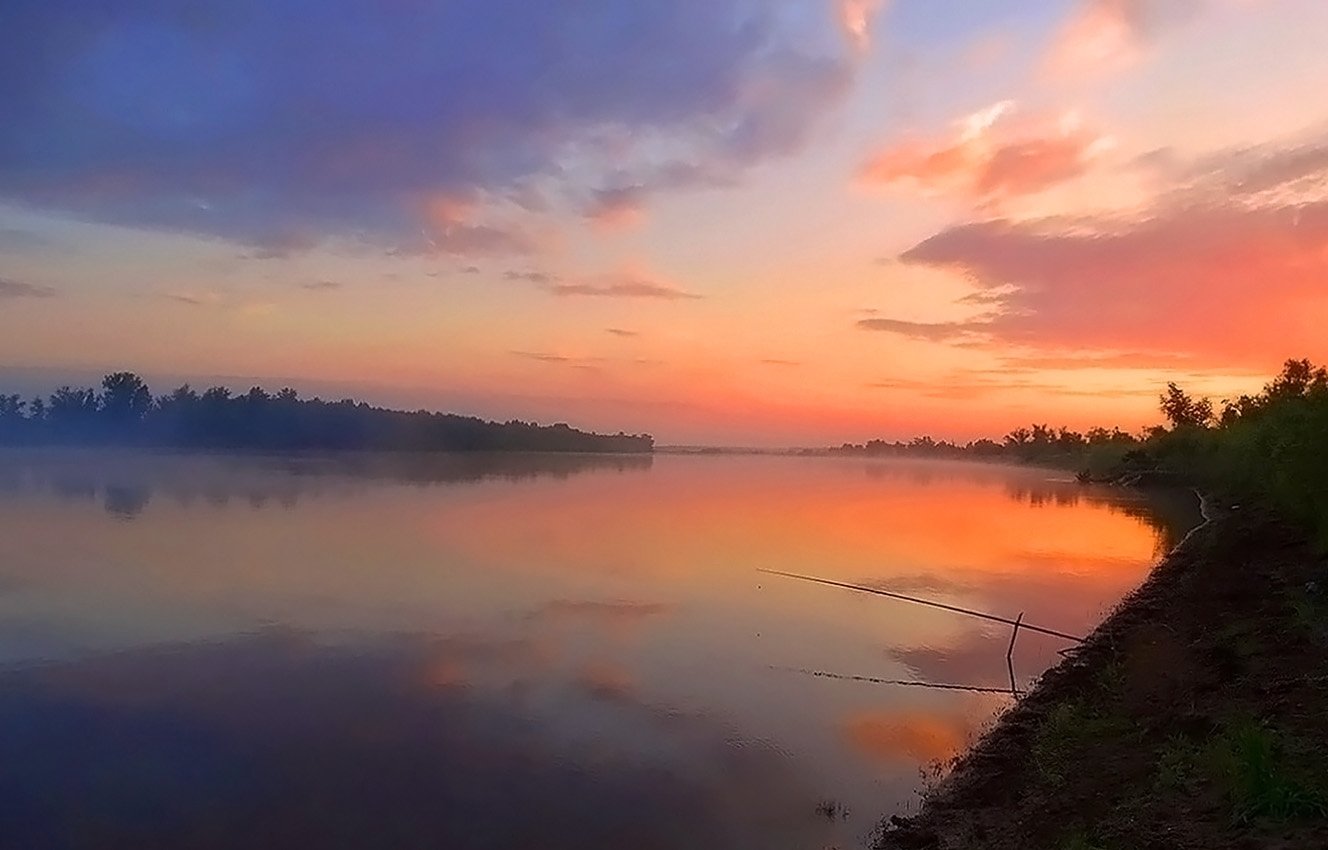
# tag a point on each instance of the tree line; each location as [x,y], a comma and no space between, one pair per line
[1036,443]
[125,412]
[1271,446]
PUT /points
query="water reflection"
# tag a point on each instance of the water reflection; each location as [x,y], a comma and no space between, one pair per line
[127,481]
[301,648]
[909,737]
[1169,511]
[274,741]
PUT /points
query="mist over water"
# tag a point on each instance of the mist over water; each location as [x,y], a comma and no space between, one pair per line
[520,650]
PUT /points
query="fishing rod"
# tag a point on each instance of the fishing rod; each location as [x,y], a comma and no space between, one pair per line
[907,683]
[1018,624]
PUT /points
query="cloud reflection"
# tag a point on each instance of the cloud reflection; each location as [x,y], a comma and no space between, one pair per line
[910,736]
[275,741]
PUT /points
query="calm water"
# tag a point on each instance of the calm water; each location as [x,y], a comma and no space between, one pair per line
[521,652]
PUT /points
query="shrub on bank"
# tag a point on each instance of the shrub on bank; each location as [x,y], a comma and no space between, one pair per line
[1272,446]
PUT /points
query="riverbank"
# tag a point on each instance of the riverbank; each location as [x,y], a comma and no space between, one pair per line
[1195,717]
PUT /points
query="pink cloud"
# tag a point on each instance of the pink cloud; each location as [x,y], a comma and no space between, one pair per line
[1224,285]
[453,227]
[1227,269]
[855,19]
[990,156]
[617,209]
[1109,36]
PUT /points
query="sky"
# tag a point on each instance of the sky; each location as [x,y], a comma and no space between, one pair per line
[739,222]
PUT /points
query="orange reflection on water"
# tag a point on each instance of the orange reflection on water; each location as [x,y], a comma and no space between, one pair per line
[949,528]
[909,736]
[927,731]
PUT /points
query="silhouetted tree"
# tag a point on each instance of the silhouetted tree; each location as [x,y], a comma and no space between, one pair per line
[125,399]
[1298,379]
[1018,437]
[11,407]
[13,423]
[72,413]
[1185,412]
[984,448]
[1069,441]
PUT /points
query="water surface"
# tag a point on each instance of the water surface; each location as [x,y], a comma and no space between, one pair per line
[519,651]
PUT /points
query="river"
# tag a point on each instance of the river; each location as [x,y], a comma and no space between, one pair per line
[476,652]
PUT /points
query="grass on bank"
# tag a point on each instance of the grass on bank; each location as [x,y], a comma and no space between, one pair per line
[1073,728]
[1259,772]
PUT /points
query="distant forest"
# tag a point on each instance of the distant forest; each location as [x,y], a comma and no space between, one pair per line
[1035,443]
[125,412]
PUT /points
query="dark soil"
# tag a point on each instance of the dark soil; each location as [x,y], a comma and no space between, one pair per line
[1195,717]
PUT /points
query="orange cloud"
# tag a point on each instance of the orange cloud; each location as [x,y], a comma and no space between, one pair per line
[968,384]
[623,285]
[990,156]
[956,331]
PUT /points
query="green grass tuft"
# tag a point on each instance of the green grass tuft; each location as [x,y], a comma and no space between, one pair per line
[1249,761]
[1069,729]
[1254,768]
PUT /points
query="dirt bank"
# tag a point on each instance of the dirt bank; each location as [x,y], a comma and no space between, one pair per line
[1195,717]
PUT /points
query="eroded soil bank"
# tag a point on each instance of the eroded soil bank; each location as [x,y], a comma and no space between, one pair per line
[1195,717]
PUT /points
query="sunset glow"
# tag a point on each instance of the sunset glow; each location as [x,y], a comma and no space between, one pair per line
[797,222]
